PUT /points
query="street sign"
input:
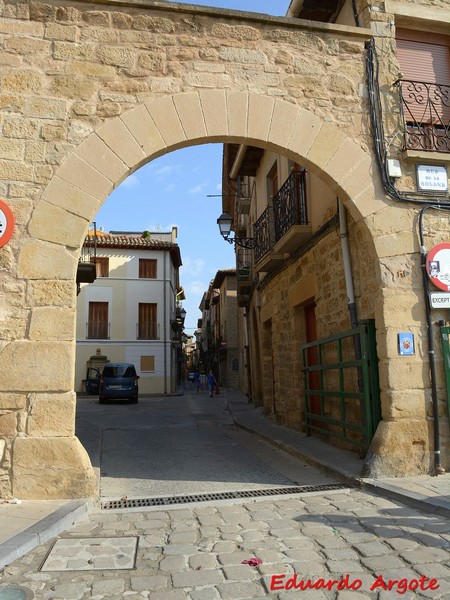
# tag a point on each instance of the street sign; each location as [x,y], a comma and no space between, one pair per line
[6,223]
[438,266]
[440,300]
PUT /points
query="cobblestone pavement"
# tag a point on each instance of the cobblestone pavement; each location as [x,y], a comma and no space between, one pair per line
[196,552]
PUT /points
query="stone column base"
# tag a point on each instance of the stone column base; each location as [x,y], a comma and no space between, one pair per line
[52,468]
[401,448]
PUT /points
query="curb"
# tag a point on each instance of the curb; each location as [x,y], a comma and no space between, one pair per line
[64,517]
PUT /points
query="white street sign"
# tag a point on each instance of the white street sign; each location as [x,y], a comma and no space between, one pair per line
[440,300]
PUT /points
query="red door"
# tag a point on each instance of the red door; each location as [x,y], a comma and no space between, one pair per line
[313,359]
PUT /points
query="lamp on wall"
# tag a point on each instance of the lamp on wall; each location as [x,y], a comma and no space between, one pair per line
[224,222]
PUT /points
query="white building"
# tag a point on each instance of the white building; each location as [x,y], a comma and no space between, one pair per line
[129,313]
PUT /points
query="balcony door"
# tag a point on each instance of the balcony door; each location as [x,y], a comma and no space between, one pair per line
[425,66]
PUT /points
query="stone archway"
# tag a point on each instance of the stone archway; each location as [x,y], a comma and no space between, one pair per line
[48,459]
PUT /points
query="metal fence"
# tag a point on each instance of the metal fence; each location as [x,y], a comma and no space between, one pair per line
[341,391]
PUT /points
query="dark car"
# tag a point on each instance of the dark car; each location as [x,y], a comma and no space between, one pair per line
[118,380]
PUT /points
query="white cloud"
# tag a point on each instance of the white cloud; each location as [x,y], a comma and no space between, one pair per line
[198,188]
[131,181]
[193,266]
[196,287]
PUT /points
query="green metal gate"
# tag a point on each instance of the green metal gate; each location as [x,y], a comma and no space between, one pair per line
[341,391]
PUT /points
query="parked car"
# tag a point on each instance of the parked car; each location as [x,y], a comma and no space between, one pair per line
[118,380]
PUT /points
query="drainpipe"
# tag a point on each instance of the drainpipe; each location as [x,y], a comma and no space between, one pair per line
[234,171]
[347,265]
[343,234]
[165,322]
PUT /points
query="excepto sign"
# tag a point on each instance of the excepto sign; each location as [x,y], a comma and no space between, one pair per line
[6,223]
[438,266]
[440,300]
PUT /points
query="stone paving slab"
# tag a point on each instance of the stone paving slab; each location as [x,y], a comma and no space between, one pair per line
[352,552]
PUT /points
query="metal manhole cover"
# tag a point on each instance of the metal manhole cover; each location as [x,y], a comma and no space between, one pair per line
[16,593]
[171,500]
[91,554]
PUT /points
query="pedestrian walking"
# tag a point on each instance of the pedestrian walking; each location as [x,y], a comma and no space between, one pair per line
[211,383]
[203,382]
[196,380]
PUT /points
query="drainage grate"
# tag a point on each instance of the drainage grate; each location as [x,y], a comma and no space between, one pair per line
[163,501]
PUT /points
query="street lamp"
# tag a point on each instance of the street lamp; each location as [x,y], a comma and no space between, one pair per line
[182,314]
[224,222]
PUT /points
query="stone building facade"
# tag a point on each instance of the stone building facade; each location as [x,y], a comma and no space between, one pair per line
[91,91]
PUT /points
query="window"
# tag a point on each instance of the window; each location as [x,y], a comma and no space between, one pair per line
[98,321]
[101,265]
[147,268]
[147,325]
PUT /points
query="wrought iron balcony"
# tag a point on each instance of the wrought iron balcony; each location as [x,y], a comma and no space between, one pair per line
[244,276]
[264,233]
[289,204]
[426,112]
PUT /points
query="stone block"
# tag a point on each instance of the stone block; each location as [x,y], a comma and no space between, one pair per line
[190,114]
[144,130]
[117,136]
[51,415]
[326,144]
[304,132]
[55,224]
[12,149]
[68,197]
[237,32]
[50,293]
[83,175]
[42,260]
[41,364]
[51,468]
[242,55]
[395,244]
[237,103]
[208,80]
[57,31]
[404,404]
[15,171]
[45,108]
[8,425]
[52,323]
[118,56]
[399,449]
[90,69]
[215,112]
[260,111]
[345,159]
[283,119]
[100,157]
[165,117]
[10,401]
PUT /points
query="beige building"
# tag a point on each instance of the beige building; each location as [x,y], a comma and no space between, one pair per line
[129,312]
[217,340]
[310,323]
[352,92]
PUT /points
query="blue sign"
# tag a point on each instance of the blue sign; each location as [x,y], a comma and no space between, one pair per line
[406,344]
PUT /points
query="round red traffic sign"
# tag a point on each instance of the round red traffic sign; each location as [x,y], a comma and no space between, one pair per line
[6,223]
[438,266]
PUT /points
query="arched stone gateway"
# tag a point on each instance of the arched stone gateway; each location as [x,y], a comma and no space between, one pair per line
[106,91]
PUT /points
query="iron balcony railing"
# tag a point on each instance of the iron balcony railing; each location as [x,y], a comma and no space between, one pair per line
[264,233]
[289,204]
[426,112]
[147,330]
[97,330]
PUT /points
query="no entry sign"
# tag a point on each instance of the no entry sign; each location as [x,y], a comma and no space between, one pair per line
[6,223]
[438,266]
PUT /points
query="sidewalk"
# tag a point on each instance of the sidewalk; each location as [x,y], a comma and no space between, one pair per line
[27,524]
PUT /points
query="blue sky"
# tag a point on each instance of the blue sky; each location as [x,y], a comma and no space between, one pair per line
[173,190]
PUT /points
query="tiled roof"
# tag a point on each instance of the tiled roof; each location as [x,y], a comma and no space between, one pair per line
[136,243]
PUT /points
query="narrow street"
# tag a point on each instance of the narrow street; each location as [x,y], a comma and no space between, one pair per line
[340,544]
[180,445]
